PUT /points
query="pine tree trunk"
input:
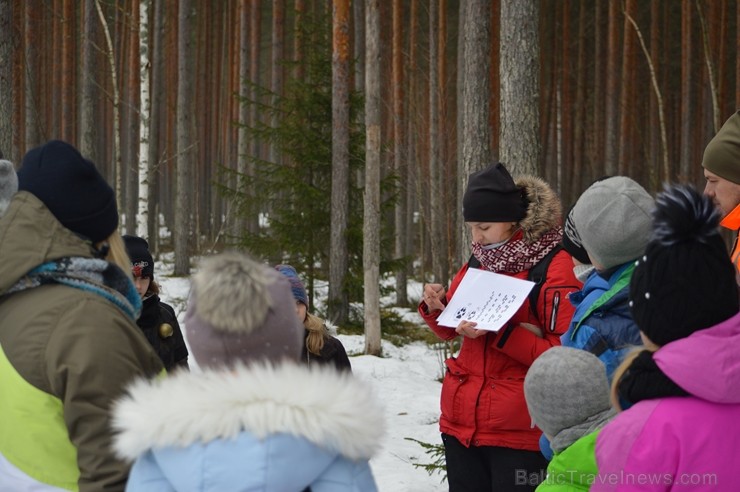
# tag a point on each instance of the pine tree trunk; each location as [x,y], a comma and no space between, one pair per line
[156,124]
[520,143]
[338,302]
[611,95]
[7,37]
[244,109]
[276,79]
[186,144]
[399,157]
[476,92]
[371,227]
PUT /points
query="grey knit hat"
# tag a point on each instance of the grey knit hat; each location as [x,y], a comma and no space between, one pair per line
[8,184]
[613,218]
[565,387]
[241,311]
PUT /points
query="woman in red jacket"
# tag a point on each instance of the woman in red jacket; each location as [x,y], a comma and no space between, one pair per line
[490,441]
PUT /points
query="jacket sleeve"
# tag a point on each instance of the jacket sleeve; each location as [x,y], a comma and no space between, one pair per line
[341,361]
[443,332]
[93,352]
[179,349]
[553,314]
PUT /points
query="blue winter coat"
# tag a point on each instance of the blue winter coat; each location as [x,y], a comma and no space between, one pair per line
[602,322]
[254,429]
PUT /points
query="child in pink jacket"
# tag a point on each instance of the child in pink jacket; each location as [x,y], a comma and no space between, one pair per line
[680,431]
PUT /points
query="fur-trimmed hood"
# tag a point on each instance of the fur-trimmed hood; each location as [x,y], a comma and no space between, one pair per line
[335,411]
[544,211]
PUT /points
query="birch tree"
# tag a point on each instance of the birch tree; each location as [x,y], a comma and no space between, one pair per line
[142,215]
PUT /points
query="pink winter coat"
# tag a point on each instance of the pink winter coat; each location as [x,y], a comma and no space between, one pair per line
[681,443]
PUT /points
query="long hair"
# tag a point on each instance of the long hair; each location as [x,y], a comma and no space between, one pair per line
[117,253]
[620,371]
[316,333]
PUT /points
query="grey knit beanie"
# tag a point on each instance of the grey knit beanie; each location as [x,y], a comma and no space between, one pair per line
[8,184]
[241,311]
[613,218]
[565,387]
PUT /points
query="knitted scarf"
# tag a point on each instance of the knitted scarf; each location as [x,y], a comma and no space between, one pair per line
[88,274]
[517,255]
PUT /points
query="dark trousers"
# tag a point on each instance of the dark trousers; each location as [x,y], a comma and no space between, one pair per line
[491,468]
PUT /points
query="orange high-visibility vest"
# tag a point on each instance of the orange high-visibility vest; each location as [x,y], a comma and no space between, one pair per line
[732,222]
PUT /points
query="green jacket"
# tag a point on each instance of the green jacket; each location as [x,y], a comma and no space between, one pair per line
[65,355]
[574,468]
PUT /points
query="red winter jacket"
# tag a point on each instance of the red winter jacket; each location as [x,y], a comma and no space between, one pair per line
[483,389]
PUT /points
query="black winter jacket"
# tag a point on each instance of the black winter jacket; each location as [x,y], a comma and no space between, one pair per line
[169,345]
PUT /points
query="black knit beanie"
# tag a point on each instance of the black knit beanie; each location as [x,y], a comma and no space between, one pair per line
[71,188]
[492,196]
[685,281]
[572,240]
[141,259]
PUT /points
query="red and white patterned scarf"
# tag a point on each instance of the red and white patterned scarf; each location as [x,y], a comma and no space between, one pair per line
[517,255]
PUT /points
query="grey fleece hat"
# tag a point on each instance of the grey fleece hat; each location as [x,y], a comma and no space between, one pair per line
[241,311]
[8,184]
[722,154]
[565,387]
[613,218]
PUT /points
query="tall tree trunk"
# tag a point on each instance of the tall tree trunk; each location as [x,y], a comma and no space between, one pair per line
[411,134]
[244,108]
[88,99]
[116,158]
[132,138]
[145,67]
[156,124]
[476,132]
[611,95]
[298,40]
[399,158]
[358,21]
[276,79]
[520,143]
[7,42]
[32,135]
[338,302]
[626,152]
[186,143]
[438,232]
[371,227]
[68,67]
[686,161]
[255,19]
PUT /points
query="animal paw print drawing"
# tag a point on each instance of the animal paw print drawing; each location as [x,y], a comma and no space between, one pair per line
[460,313]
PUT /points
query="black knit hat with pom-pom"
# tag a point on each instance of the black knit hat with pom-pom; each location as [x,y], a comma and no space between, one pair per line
[685,282]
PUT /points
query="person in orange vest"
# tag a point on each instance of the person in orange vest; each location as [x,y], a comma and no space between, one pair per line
[721,165]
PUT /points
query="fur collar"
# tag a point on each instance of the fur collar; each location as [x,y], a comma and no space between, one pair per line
[333,410]
[544,211]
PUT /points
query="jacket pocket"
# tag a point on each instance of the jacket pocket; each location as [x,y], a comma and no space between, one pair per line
[453,389]
[508,409]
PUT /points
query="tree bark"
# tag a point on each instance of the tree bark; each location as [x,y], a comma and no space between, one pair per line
[520,143]
[7,41]
[186,144]
[338,302]
[611,95]
[371,227]
[476,92]
[142,216]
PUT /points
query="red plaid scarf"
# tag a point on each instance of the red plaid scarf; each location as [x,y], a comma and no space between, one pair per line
[517,255]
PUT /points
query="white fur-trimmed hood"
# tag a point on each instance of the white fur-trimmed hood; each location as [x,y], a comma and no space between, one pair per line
[333,410]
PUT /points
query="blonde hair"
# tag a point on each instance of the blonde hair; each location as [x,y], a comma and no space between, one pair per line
[620,371]
[316,333]
[117,252]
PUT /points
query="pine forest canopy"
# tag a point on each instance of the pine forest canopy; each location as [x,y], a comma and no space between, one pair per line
[224,117]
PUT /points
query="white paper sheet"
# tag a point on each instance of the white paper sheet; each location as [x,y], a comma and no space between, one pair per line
[488,298]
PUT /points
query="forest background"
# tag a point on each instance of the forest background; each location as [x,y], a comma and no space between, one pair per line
[338,136]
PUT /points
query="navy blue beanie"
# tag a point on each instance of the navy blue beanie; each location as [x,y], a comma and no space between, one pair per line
[299,291]
[71,188]
[142,262]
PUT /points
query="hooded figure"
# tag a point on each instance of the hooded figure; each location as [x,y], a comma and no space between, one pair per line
[486,429]
[69,344]
[254,418]
[683,389]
